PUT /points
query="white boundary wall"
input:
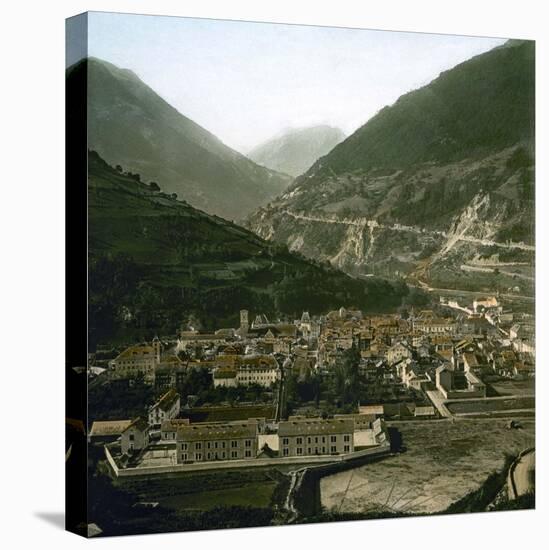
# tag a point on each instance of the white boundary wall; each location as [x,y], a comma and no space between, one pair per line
[380,450]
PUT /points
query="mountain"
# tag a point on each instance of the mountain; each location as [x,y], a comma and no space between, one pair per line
[296,150]
[130,125]
[155,261]
[438,187]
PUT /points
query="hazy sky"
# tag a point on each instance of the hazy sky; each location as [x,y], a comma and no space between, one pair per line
[245,82]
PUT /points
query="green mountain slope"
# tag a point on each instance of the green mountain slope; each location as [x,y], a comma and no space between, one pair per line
[296,150]
[131,125]
[154,261]
[438,187]
[480,106]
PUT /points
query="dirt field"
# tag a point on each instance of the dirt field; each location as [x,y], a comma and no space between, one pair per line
[443,461]
[515,387]
[490,405]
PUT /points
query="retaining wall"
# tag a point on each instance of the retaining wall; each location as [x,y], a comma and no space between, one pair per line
[379,450]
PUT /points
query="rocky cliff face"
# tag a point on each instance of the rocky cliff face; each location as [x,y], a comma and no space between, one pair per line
[438,188]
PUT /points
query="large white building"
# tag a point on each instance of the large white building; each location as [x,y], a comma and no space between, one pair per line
[142,359]
[254,369]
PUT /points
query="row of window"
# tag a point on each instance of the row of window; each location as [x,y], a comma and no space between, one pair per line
[216,444]
[316,450]
[317,439]
[214,456]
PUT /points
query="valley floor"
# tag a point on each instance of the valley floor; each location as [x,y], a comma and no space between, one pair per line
[443,461]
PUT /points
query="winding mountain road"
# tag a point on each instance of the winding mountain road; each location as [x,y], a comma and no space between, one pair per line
[374,224]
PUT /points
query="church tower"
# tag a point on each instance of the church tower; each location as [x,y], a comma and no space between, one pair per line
[244,323]
[157,346]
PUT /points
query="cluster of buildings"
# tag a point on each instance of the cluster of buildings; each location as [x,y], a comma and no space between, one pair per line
[246,439]
[452,350]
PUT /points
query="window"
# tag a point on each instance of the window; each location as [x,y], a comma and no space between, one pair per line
[198,445]
[323,439]
[316,439]
[209,456]
[234,444]
[299,451]
[309,451]
[286,451]
[346,438]
[248,454]
[309,440]
[333,438]
[333,449]
[183,446]
[284,441]
[184,456]
[223,444]
[234,454]
[209,445]
[132,437]
[346,448]
[299,441]
[223,455]
[248,443]
[198,456]
[323,449]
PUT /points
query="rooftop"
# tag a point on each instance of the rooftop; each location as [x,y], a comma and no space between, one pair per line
[227,430]
[167,401]
[139,423]
[135,352]
[109,427]
[315,426]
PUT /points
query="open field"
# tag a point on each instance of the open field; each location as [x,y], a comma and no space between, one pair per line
[203,491]
[492,405]
[443,461]
[515,387]
[252,494]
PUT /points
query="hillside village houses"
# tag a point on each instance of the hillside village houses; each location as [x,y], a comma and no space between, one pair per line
[456,380]
[166,408]
[248,354]
[399,351]
[448,351]
[246,370]
[135,436]
[137,360]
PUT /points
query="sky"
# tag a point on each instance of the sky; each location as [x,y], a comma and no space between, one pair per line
[246,82]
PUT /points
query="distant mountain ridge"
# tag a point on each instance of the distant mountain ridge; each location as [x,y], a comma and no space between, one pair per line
[435,187]
[131,125]
[294,151]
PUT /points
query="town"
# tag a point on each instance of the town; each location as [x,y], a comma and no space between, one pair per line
[318,389]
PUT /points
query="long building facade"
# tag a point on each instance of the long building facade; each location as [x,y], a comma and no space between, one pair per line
[315,436]
[216,441]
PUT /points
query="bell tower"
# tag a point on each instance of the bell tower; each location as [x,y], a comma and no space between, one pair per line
[157,346]
[244,323]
